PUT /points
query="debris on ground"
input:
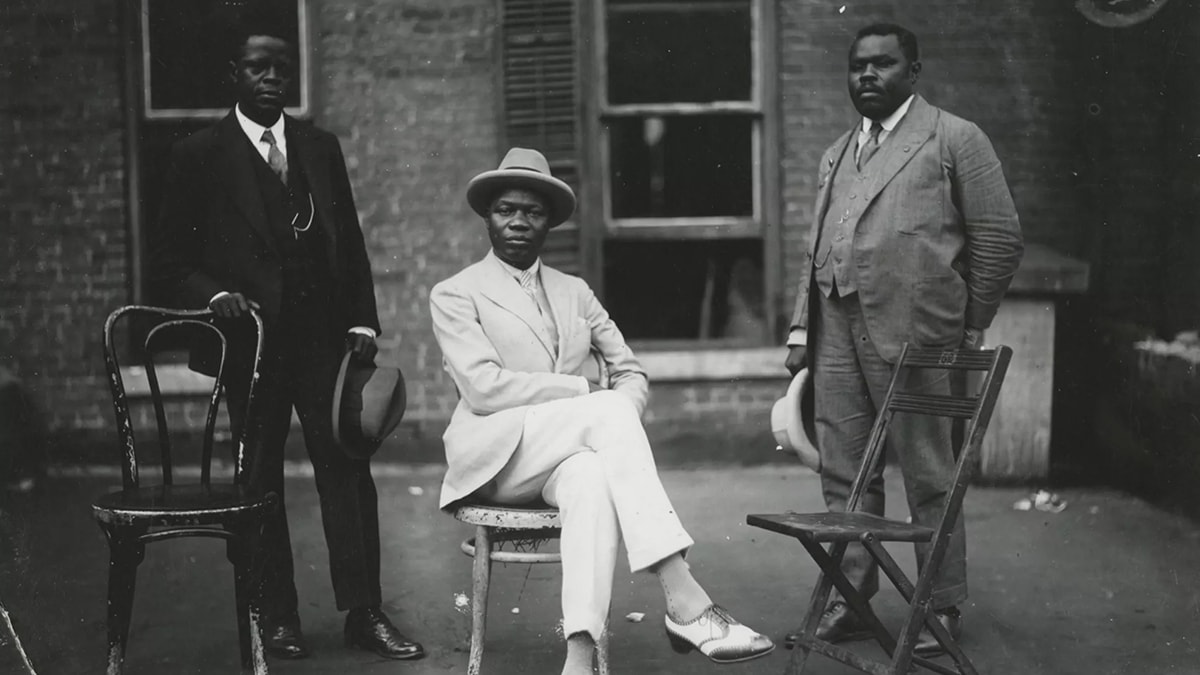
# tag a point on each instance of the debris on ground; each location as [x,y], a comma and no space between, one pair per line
[635,617]
[1042,500]
[461,602]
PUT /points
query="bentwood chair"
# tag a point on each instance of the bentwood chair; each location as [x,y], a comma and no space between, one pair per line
[140,513]
[839,529]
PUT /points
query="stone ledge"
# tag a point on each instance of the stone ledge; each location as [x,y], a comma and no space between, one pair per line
[698,365]
[174,379]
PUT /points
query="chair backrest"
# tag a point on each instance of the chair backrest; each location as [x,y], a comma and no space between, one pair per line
[192,327]
[975,405]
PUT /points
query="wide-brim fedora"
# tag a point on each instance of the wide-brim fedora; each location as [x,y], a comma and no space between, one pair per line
[793,421]
[524,169]
[368,405]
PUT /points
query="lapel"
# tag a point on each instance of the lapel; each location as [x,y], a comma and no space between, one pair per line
[829,165]
[562,308]
[914,130]
[236,157]
[302,150]
[501,288]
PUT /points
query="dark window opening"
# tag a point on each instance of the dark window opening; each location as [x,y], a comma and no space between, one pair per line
[689,166]
[686,290]
[667,56]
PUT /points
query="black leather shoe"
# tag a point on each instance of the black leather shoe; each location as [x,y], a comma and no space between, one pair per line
[284,640]
[838,623]
[368,628]
[927,645]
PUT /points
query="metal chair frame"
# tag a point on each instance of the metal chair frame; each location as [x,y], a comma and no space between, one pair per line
[138,515]
[842,528]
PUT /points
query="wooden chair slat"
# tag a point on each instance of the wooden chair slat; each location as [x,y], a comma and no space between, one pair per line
[827,527]
[933,404]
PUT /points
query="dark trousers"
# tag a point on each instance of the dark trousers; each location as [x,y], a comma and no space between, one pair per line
[298,370]
[850,380]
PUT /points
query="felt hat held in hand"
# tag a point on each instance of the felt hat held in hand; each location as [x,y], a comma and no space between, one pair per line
[368,404]
[793,422]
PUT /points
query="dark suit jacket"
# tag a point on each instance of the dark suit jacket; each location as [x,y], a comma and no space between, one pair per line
[214,234]
[939,241]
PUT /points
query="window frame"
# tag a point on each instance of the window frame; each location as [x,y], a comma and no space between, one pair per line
[766,224]
[704,227]
[303,80]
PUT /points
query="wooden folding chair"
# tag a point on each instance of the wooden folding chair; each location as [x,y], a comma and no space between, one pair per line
[842,528]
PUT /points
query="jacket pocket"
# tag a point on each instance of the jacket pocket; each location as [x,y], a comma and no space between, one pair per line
[937,310]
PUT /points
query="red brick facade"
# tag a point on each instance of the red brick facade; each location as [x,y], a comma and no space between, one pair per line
[411,89]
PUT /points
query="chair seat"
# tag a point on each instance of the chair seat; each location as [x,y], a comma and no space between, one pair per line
[537,517]
[192,503]
[840,526]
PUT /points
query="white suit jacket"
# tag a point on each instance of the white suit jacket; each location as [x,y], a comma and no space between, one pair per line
[496,348]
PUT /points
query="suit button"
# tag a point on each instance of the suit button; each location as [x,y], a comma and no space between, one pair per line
[852,195]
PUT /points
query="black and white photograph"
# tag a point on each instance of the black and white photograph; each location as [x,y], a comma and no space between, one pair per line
[599,337]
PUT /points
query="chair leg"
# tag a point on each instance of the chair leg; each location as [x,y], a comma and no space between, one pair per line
[241,549]
[125,552]
[602,649]
[481,572]
[816,606]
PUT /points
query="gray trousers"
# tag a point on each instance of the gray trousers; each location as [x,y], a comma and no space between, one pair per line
[850,380]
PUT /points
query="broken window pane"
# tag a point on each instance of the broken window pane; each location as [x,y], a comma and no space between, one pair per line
[665,55]
[681,166]
[686,290]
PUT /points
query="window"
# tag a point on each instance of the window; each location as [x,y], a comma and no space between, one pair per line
[654,111]
[678,109]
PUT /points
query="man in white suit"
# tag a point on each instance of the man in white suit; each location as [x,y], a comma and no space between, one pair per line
[515,336]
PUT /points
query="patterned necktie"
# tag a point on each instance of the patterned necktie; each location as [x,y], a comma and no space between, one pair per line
[528,283]
[275,157]
[871,146]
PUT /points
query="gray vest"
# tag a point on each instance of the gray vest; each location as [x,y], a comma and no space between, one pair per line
[834,259]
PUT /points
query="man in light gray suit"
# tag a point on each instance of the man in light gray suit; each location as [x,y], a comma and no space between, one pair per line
[533,423]
[915,239]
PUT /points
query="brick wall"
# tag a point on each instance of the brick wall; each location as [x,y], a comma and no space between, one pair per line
[63,249]
[410,89]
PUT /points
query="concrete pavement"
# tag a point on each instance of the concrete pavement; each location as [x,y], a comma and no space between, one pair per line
[1108,586]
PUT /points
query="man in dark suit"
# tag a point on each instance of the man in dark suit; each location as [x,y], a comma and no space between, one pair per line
[914,239]
[258,211]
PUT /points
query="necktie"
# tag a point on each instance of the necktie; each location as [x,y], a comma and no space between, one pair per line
[275,157]
[871,146]
[528,283]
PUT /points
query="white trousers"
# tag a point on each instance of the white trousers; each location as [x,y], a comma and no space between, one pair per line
[589,457]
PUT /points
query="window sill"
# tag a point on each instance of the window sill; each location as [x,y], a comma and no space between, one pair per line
[698,365]
[174,379]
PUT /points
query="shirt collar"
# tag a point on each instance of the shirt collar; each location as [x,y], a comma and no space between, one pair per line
[515,272]
[888,123]
[254,130]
